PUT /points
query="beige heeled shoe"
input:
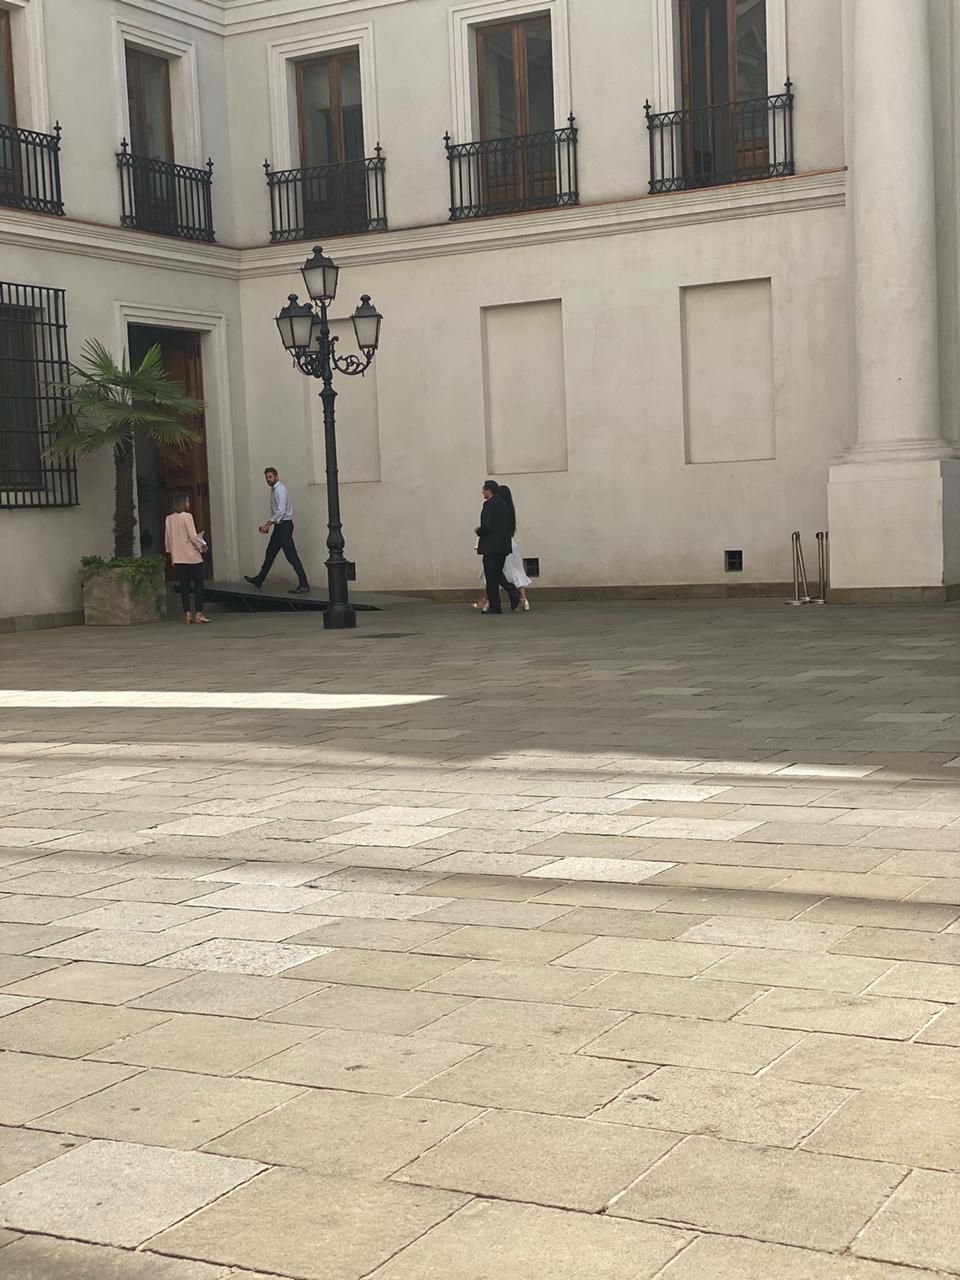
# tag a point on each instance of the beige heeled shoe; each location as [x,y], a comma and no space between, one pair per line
[198,617]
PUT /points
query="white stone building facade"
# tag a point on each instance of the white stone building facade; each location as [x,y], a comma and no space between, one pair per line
[678,340]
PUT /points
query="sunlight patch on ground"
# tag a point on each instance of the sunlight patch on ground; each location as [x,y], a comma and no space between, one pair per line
[192,700]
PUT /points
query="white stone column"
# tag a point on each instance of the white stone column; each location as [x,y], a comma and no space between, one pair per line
[888,524]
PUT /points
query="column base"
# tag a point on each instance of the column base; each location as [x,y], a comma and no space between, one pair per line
[894,527]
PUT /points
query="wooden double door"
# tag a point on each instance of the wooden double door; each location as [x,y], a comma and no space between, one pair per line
[515,92]
[11,161]
[163,473]
[724,63]
[330,109]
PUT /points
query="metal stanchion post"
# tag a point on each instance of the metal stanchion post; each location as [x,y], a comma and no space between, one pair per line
[801,591]
[823,558]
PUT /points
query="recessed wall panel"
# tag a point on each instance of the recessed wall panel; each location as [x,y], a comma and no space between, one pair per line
[728,386]
[525,399]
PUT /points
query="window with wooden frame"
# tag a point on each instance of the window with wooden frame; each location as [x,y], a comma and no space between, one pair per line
[8,103]
[516,112]
[148,102]
[724,71]
[151,141]
[11,165]
[330,121]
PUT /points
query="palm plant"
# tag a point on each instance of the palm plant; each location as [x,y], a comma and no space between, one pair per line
[104,405]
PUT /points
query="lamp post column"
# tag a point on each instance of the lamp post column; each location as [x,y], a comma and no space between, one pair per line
[339,614]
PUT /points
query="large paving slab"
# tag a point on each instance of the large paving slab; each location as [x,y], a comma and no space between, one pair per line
[514,1242]
[628,947]
[296,1223]
[766,1193]
[116,1192]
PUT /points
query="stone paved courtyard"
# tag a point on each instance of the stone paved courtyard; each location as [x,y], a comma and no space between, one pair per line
[600,943]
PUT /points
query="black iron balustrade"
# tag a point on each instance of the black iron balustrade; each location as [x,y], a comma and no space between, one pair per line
[511,175]
[169,199]
[34,365]
[30,169]
[340,199]
[712,146]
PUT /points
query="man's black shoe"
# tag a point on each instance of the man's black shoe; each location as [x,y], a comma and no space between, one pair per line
[253,582]
[299,591]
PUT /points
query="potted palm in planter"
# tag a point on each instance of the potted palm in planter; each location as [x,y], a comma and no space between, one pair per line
[104,404]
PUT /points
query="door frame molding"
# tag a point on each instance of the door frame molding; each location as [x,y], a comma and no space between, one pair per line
[212,328]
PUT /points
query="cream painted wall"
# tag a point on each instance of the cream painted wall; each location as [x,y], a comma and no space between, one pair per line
[628,509]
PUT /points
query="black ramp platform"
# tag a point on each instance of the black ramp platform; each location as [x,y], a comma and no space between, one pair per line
[245,596]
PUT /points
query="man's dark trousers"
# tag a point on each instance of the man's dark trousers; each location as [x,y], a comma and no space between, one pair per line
[281,539]
[493,564]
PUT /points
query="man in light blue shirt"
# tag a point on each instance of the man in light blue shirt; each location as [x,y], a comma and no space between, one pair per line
[280,528]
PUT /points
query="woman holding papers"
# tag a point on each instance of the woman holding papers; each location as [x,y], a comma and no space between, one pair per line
[186,547]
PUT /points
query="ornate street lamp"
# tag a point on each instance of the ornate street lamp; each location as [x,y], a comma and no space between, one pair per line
[305,333]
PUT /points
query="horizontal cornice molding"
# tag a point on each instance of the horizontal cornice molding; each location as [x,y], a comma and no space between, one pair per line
[116,244]
[780,196]
[648,213]
[239,17]
[204,15]
[243,16]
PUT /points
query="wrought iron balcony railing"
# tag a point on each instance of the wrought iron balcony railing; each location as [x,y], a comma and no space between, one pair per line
[166,198]
[328,200]
[712,146]
[30,169]
[510,175]
[34,366]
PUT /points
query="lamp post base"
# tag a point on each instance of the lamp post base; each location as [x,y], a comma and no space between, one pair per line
[339,617]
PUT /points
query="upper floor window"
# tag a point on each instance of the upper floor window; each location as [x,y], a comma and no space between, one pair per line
[148,101]
[8,106]
[29,160]
[521,161]
[724,51]
[515,78]
[331,186]
[11,167]
[729,129]
[330,110]
[156,194]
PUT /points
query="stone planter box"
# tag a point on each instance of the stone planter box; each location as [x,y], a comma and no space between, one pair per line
[111,600]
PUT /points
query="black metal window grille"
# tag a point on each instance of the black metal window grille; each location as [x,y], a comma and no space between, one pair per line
[713,146]
[328,200]
[33,363]
[166,198]
[511,175]
[30,169]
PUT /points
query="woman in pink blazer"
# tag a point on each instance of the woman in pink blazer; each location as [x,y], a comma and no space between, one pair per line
[185,548]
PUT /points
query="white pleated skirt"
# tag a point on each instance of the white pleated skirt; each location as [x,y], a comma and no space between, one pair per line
[513,568]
